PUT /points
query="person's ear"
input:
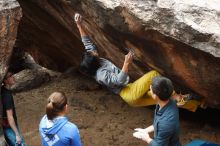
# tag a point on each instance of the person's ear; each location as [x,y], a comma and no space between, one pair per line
[66,108]
[154,96]
[151,91]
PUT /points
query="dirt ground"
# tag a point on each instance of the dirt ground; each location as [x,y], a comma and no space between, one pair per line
[103,118]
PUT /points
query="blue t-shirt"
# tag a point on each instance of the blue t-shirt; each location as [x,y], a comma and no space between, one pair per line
[59,132]
[166,125]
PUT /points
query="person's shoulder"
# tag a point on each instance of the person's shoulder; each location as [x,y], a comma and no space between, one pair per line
[105,61]
[173,105]
[5,90]
[172,110]
[71,126]
[70,130]
[6,95]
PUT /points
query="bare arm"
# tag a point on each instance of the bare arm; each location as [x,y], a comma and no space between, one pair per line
[127,61]
[78,20]
[89,46]
[12,124]
[81,30]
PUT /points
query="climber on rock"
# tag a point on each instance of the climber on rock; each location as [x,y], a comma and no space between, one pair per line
[117,80]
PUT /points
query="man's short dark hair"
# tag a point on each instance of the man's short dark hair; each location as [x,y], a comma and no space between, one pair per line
[162,87]
[90,64]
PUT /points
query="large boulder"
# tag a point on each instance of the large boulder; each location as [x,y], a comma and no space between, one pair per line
[49,34]
[28,79]
[179,38]
[10,14]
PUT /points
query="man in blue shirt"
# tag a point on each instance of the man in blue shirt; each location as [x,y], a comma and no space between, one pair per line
[166,117]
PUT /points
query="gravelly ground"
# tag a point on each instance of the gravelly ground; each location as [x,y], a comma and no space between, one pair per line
[103,118]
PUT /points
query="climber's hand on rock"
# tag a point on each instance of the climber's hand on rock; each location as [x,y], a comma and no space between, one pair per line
[78,18]
[128,58]
[127,61]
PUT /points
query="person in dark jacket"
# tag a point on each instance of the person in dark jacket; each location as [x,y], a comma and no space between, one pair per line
[54,128]
[166,118]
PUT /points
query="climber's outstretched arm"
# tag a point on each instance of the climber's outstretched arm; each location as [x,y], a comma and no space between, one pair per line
[78,20]
[89,46]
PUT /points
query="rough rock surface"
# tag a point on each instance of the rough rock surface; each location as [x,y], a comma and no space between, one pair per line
[29,79]
[10,14]
[179,38]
